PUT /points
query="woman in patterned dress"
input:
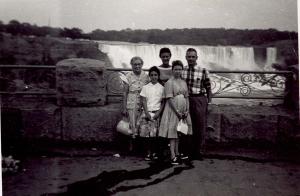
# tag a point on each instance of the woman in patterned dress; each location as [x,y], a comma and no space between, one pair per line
[131,97]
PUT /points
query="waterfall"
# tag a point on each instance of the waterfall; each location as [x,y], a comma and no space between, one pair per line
[219,58]
[211,57]
[271,58]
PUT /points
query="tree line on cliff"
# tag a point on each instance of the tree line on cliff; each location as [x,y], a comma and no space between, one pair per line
[194,36]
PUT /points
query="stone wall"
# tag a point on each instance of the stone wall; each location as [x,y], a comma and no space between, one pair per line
[81,95]
[228,123]
[80,112]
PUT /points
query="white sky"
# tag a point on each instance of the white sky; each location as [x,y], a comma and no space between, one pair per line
[89,15]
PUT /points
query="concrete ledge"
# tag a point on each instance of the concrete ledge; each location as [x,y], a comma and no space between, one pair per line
[90,123]
[42,123]
[227,123]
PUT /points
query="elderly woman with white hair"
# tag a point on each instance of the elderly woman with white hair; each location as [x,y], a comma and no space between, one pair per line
[135,80]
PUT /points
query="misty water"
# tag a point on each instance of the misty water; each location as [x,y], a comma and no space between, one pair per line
[217,58]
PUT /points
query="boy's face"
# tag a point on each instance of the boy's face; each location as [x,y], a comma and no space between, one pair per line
[165,58]
[191,58]
[153,77]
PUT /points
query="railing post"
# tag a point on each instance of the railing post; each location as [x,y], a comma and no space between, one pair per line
[80,82]
[81,94]
[291,91]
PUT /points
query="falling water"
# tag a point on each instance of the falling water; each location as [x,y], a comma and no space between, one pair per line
[219,58]
[271,58]
[211,57]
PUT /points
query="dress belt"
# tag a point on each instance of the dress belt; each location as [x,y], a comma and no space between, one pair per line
[153,111]
[197,95]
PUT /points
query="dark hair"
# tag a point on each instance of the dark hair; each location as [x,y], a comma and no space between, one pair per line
[154,68]
[165,50]
[191,50]
[177,63]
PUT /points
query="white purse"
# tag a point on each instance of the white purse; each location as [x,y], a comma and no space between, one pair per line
[182,127]
[123,127]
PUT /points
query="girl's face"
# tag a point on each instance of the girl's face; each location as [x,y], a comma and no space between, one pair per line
[177,69]
[165,58]
[137,66]
[153,77]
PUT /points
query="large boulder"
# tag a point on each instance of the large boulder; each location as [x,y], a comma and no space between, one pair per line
[81,82]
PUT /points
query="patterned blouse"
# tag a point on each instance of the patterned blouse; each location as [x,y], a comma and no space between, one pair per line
[135,84]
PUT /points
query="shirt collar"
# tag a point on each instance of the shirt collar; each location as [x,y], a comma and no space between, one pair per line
[150,83]
[194,67]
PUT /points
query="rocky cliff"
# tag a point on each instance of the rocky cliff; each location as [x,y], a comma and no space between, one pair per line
[29,50]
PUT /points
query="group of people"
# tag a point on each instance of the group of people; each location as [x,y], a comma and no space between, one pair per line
[157,101]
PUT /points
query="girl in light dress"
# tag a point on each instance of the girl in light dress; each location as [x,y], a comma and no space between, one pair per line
[152,98]
[176,108]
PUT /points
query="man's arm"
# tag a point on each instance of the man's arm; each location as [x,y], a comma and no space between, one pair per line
[207,86]
[208,90]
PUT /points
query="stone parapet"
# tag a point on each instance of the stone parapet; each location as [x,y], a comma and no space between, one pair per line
[81,82]
[227,123]
[90,124]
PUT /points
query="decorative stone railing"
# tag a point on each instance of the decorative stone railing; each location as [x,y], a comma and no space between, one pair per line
[86,104]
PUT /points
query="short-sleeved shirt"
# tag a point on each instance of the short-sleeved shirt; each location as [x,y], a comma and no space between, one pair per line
[153,94]
[135,84]
[165,73]
[193,76]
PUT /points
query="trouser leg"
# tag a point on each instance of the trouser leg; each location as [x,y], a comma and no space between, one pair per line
[198,113]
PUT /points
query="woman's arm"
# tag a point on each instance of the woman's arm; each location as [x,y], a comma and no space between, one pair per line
[170,102]
[125,95]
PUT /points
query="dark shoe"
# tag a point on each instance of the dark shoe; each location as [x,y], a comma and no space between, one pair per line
[148,157]
[154,156]
[175,161]
[183,156]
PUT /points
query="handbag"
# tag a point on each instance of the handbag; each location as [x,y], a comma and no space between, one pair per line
[123,127]
[182,127]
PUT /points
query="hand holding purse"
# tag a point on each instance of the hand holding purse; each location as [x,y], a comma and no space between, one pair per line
[123,127]
[182,127]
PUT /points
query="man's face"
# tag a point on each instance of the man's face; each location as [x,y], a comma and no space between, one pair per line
[191,58]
